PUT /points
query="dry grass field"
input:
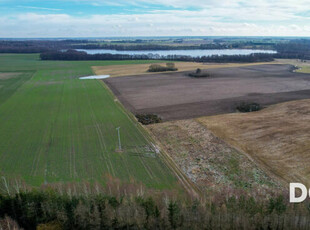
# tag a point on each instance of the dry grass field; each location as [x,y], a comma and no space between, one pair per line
[214,166]
[277,138]
[138,69]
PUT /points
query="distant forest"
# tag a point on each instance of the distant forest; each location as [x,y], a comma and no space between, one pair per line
[36,46]
[121,47]
[73,55]
[52,49]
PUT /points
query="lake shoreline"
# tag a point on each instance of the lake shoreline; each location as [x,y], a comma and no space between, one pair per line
[192,53]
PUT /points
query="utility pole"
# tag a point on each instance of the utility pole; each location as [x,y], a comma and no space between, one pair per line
[119,139]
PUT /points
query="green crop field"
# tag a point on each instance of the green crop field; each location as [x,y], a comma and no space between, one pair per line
[57,128]
[10,82]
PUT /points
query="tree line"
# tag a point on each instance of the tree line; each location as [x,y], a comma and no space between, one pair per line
[35,46]
[74,55]
[122,47]
[296,49]
[53,210]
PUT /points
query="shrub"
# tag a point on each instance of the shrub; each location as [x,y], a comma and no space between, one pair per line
[248,107]
[147,119]
[198,73]
[170,65]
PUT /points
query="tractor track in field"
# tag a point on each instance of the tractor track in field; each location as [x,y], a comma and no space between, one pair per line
[99,134]
[189,186]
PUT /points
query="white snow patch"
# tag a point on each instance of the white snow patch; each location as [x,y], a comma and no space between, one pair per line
[95,77]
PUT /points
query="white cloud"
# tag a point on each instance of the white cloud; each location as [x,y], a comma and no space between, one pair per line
[291,5]
[211,17]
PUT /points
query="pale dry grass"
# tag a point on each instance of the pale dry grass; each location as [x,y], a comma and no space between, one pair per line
[4,76]
[139,69]
[214,166]
[277,138]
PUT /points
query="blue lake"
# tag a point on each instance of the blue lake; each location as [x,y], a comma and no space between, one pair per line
[193,53]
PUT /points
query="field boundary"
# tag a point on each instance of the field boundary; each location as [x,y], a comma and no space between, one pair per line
[186,182]
[190,187]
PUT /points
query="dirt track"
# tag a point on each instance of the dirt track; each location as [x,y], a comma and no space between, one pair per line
[177,96]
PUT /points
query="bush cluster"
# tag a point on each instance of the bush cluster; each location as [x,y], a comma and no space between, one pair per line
[198,74]
[159,68]
[147,119]
[248,107]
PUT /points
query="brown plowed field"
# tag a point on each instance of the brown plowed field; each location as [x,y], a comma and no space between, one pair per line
[176,96]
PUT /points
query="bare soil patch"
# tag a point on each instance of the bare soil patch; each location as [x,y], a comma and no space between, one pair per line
[175,96]
[4,76]
[142,69]
[277,138]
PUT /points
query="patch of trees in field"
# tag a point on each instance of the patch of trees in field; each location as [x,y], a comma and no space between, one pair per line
[147,119]
[79,55]
[160,68]
[248,107]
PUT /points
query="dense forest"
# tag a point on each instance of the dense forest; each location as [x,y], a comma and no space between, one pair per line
[137,208]
[299,49]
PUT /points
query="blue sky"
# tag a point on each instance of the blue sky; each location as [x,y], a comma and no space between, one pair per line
[102,18]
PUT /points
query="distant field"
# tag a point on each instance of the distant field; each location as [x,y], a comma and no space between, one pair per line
[176,96]
[304,69]
[57,128]
[277,138]
[304,66]
[126,70]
